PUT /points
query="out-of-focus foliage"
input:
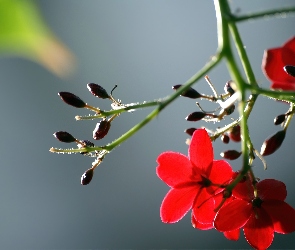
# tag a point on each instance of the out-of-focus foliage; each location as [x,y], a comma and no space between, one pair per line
[24,33]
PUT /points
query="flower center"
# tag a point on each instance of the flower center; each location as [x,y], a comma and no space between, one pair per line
[205,182]
[256,202]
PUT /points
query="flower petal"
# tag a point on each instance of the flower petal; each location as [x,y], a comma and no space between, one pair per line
[244,190]
[271,189]
[204,206]
[202,226]
[232,235]
[177,203]
[221,172]
[233,215]
[174,168]
[290,44]
[282,215]
[259,230]
[201,151]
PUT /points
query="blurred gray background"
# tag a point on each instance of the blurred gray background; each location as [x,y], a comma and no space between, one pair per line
[145,47]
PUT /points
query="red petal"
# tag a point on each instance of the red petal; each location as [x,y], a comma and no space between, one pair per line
[221,172]
[174,168]
[270,189]
[202,226]
[233,215]
[201,151]
[204,206]
[282,215]
[259,231]
[283,85]
[244,190]
[272,65]
[232,235]
[177,203]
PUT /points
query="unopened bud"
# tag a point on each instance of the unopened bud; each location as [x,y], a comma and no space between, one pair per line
[195,116]
[190,92]
[229,87]
[97,90]
[290,70]
[87,176]
[64,136]
[230,154]
[279,119]
[72,99]
[271,144]
[225,138]
[235,133]
[101,129]
[190,131]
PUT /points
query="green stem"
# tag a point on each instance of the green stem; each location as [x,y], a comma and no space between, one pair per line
[268,13]
[213,62]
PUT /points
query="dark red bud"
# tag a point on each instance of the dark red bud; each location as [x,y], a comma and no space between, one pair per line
[97,90]
[228,87]
[230,154]
[190,131]
[290,70]
[279,119]
[101,129]
[195,116]
[235,133]
[87,176]
[225,138]
[64,136]
[229,110]
[272,143]
[190,92]
[72,99]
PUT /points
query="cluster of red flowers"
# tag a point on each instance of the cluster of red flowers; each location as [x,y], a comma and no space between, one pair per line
[198,183]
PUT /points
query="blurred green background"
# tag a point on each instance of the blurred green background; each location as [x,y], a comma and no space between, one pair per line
[144,47]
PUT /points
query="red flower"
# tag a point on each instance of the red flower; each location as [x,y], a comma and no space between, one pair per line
[273,62]
[259,216]
[193,181]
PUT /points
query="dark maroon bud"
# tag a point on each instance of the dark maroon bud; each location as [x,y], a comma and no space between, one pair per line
[195,116]
[190,92]
[229,110]
[272,143]
[190,131]
[228,87]
[279,119]
[85,143]
[72,99]
[87,176]
[225,138]
[64,136]
[230,154]
[97,90]
[290,70]
[101,129]
[235,133]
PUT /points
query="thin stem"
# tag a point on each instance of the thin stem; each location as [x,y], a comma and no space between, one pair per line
[269,13]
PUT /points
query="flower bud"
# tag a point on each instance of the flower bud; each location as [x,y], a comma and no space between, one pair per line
[272,143]
[290,70]
[72,99]
[190,131]
[235,133]
[195,116]
[190,92]
[229,87]
[229,110]
[97,90]
[230,154]
[87,176]
[64,136]
[101,129]
[225,138]
[279,119]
